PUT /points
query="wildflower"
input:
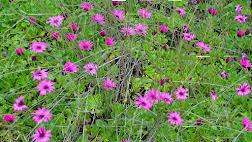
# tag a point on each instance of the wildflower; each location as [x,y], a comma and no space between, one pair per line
[165,47]
[240,18]
[38,47]
[41,135]
[154,32]
[45,86]
[245,63]
[203,46]
[144,13]
[55,34]
[212,11]
[86,6]
[163,28]
[190,78]
[102,32]
[181,93]
[91,84]
[55,79]
[141,29]
[4,54]
[118,14]
[228,60]
[213,95]
[115,2]
[199,122]
[240,33]
[86,45]
[153,95]
[244,56]
[185,28]
[128,31]
[247,32]
[166,97]
[125,140]
[175,118]
[70,67]
[143,102]
[65,16]
[238,8]
[224,75]
[247,122]
[98,19]
[243,89]
[55,21]
[110,41]
[89,138]
[181,11]
[91,68]
[109,84]
[194,2]
[31,19]
[42,115]
[41,74]
[188,36]
[162,81]
[71,36]
[74,27]
[19,51]
[9,118]
[18,106]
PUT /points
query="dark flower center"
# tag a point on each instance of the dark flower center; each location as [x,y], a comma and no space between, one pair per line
[241,19]
[41,135]
[153,97]
[39,74]
[56,21]
[46,87]
[38,47]
[69,70]
[20,103]
[174,118]
[41,116]
[242,90]
[181,94]
[90,69]
[143,103]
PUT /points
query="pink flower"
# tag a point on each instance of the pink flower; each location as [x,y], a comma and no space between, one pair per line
[143,102]
[55,34]
[41,135]
[154,32]
[185,28]
[41,74]
[74,27]
[115,2]
[141,29]
[70,67]
[181,93]
[110,41]
[228,60]
[243,89]
[38,47]
[244,56]
[188,36]
[181,11]
[55,21]
[212,11]
[91,68]
[4,54]
[175,118]
[118,14]
[128,31]
[247,32]
[238,8]
[19,51]
[42,115]
[144,13]
[245,63]
[109,84]
[98,19]
[102,32]
[8,118]
[240,18]
[224,75]
[86,45]
[153,95]
[163,28]
[213,95]
[125,140]
[31,19]
[166,97]
[203,46]
[71,36]
[240,33]
[86,6]
[18,106]
[45,86]
[247,122]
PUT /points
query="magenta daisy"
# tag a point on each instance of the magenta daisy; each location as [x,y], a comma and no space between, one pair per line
[181,93]
[213,95]
[42,115]
[141,29]
[188,36]
[71,36]
[31,19]
[98,19]
[110,41]
[41,135]
[91,68]
[55,21]
[243,89]
[86,6]
[125,140]
[238,8]
[163,28]
[116,2]
[245,63]
[86,45]
[212,11]
[9,118]
[203,46]
[166,97]
[153,95]
[118,14]
[128,31]
[109,84]
[244,56]
[143,102]
[38,47]
[19,51]
[45,86]
[41,74]
[224,75]
[175,118]
[144,13]
[18,106]
[55,34]
[247,122]
[70,67]
[240,18]
[74,27]
[181,11]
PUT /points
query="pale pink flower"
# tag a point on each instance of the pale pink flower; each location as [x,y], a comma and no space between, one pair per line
[38,47]
[71,36]
[98,19]
[143,102]
[110,41]
[240,18]
[74,27]
[181,11]
[86,45]
[144,13]
[109,84]
[175,118]
[42,115]
[118,14]
[185,28]
[128,31]
[70,67]
[243,89]
[203,46]
[19,105]
[238,8]
[213,95]
[86,6]
[41,135]
[141,29]
[91,68]
[181,93]
[45,86]
[41,74]
[166,97]
[247,122]
[188,36]
[9,118]
[224,75]
[55,21]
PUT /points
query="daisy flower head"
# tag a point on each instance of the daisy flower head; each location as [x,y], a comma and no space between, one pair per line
[128,31]
[185,28]
[70,67]
[212,11]
[55,34]
[141,29]
[74,27]
[244,56]
[41,135]
[163,28]
[71,36]
[240,33]
[240,18]
[247,122]
[238,8]
[55,21]
[45,86]
[9,118]
[180,10]
[38,47]
[109,84]
[188,36]
[98,19]
[245,63]
[41,74]
[143,102]
[243,89]
[110,41]
[118,14]
[144,13]
[181,93]
[203,46]
[166,97]
[86,45]
[115,2]
[224,75]
[19,51]
[213,95]
[91,68]
[86,6]
[31,19]
[19,105]
[175,118]
[153,95]
[125,140]
[42,115]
